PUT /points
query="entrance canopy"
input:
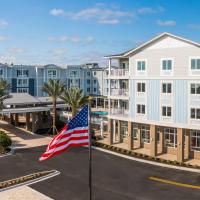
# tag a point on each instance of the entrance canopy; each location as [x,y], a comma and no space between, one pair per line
[25,103]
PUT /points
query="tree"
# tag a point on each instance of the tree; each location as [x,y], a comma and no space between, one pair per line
[75,98]
[54,88]
[4,88]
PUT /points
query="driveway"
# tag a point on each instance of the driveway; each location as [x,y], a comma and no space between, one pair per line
[22,138]
[114,178]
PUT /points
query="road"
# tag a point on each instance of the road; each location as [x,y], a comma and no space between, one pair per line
[114,178]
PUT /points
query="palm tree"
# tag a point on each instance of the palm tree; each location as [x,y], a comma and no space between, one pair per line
[75,98]
[4,88]
[54,88]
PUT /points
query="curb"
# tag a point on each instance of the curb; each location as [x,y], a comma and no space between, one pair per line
[148,161]
[30,182]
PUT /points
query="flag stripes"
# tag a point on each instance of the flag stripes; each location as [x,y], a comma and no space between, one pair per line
[74,134]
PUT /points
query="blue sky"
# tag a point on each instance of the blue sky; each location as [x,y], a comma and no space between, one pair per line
[78,31]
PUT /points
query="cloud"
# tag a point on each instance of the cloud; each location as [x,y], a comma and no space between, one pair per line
[16,50]
[109,21]
[100,13]
[3,24]
[3,38]
[71,39]
[194,26]
[56,12]
[59,51]
[150,10]
[166,23]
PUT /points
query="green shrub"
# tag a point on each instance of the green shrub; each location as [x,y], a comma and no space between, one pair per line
[5,140]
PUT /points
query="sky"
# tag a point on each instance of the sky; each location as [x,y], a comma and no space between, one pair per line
[66,32]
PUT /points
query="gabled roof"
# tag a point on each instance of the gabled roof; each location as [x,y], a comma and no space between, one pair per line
[146,44]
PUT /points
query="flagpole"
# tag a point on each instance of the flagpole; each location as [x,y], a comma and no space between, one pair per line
[90,154]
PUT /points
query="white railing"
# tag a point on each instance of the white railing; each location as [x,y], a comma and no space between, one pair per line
[119,92]
[119,112]
[119,72]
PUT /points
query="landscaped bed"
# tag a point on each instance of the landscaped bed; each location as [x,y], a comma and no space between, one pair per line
[5,143]
[142,156]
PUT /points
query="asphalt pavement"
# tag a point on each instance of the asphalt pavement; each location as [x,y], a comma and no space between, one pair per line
[114,178]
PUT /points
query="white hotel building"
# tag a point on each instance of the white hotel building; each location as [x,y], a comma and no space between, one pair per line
[154,97]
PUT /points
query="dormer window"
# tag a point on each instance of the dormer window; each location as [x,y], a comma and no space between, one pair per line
[22,72]
[52,73]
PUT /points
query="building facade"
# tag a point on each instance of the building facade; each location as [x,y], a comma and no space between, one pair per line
[154,97]
[30,79]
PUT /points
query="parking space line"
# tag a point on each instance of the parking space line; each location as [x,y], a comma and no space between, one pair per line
[174,183]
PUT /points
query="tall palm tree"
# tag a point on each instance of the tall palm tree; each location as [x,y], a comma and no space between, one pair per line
[75,98]
[4,89]
[54,88]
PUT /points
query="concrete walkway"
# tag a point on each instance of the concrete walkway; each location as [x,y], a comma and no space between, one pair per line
[23,193]
[22,138]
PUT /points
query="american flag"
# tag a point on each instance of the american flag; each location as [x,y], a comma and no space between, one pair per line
[73,134]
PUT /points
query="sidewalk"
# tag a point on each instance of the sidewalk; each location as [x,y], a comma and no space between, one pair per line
[22,138]
[23,193]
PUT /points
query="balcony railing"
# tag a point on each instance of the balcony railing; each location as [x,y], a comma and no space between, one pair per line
[119,72]
[119,92]
[119,112]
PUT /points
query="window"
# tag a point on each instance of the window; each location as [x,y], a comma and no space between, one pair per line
[95,81]
[141,65]
[141,87]
[195,113]
[88,81]
[145,132]
[95,89]
[88,73]
[73,73]
[170,135]
[1,72]
[52,73]
[195,88]
[140,109]
[135,131]
[94,73]
[195,140]
[22,90]
[158,134]
[166,64]
[195,64]
[22,82]
[167,88]
[22,72]
[88,89]
[166,111]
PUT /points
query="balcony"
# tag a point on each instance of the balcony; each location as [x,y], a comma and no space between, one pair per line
[119,92]
[121,112]
[119,72]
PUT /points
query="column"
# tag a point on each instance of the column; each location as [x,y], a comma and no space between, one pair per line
[33,116]
[130,136]
[119,131]
[110,135]
[180,145]
[153,143]
[40,123]
[16,119]
[162,139]
[114,130]
[27,121]
[187,144]
[139,136]
[11,118]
